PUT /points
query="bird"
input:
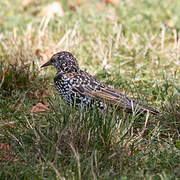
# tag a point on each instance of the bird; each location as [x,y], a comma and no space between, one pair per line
[80,89]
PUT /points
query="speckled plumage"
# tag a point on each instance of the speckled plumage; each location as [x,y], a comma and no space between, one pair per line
[77,87]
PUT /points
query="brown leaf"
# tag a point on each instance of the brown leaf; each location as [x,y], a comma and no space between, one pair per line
[111,1]
[39,107]
[100,6]
[52,9]
[44,55]
[26,2]
[75,3]
[4,152]
[37,52]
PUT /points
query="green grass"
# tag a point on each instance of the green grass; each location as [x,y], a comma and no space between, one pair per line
[133,47]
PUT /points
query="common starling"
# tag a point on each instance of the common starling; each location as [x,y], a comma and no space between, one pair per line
[80,89]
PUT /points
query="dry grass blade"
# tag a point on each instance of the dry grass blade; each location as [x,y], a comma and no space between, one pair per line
[56,171]
[76,154]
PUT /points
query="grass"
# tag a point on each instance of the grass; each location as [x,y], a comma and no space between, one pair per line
[132,46]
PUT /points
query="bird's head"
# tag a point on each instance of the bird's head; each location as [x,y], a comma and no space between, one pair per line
[63,61]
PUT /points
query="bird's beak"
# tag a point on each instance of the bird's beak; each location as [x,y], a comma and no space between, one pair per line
[46,64]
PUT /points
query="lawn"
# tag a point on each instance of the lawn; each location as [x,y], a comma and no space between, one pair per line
[132,46]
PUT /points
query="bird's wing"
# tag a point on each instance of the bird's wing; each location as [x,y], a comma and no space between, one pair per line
[105,94]
[92,88]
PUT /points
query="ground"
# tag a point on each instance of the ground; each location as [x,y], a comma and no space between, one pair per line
[132,46]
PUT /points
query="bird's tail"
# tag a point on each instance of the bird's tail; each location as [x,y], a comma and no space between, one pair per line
[131,105]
